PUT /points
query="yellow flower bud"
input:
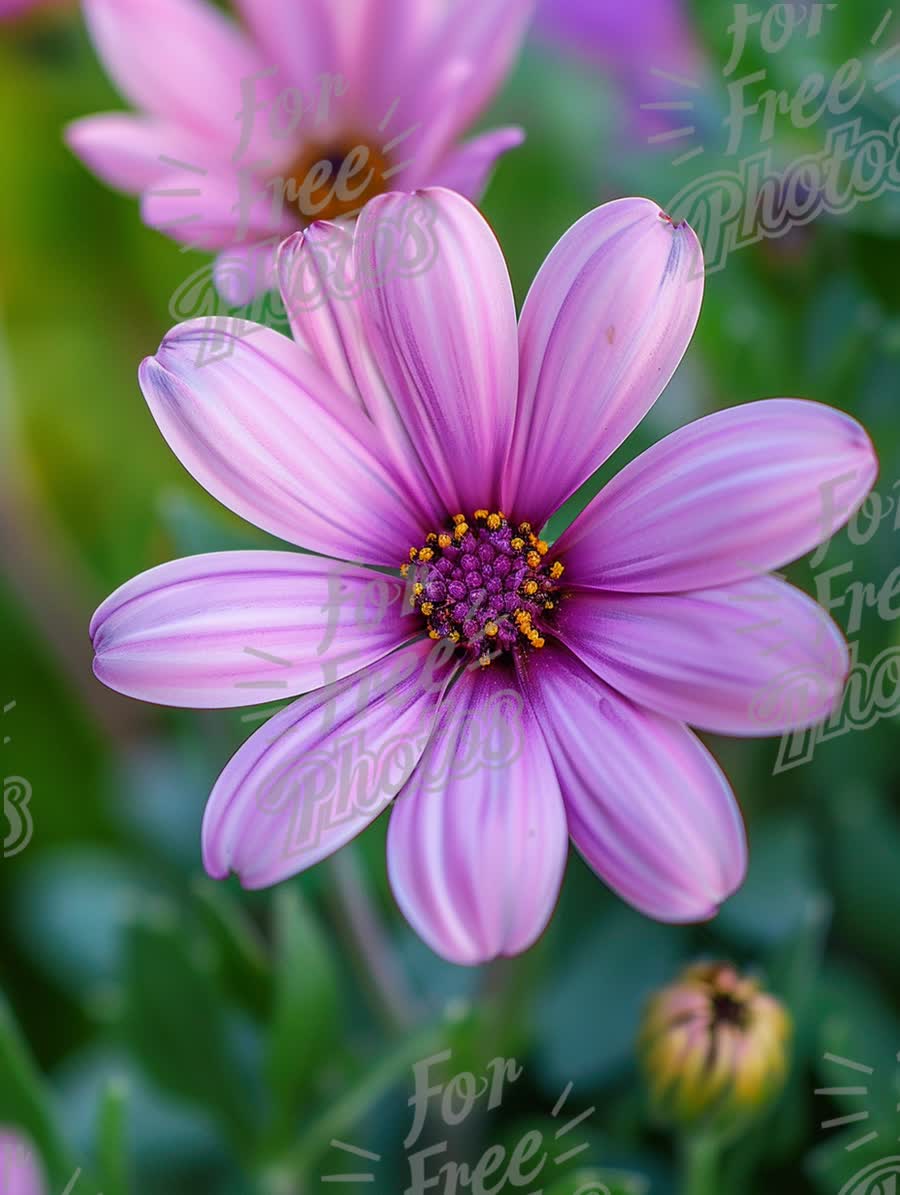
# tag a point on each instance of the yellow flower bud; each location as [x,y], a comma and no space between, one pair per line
[714,1047]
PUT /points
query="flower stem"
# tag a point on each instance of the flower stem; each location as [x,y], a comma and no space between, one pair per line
[700,1164]
[374,953]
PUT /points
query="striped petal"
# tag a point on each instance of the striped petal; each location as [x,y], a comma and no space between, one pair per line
[754,658]
[320,771]
[648,807]
[260,426]
[439,313]
[731,496]
[603,329]
[236,628]
[477,842]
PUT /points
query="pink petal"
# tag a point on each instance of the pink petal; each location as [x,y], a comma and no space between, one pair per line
[728,497]
[216,211]
[259,425]
[754,658]
[20,1168]
[440,316]
[467,169]
[244,272]
[323,299]
[297,38]
[320,771]
[648,807]
[477,842]
[603,329]
[127,151]
[484,34]
[237,628]
[181,60]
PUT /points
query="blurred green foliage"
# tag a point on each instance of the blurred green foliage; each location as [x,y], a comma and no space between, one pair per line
[167,1034]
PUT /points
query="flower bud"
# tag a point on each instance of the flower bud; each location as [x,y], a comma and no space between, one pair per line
[713,1046]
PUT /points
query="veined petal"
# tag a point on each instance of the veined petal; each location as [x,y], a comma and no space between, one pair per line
[183,61]
[259,425]
[215,212]
[439,313]
[728,497]
[323,299]
[238,628]
[297,38]
[320,771]
[133,152]
[754,658]
[648,807]
[477,842]
[604,326]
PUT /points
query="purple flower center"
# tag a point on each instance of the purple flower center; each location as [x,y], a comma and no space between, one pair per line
[485,585]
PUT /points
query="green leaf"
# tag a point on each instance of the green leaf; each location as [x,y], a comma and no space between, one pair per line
[25,1100]
[244,959]
[306,1003]
[177,1021]
[112,1147]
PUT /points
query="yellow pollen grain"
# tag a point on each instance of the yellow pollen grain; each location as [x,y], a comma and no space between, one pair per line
[556,570]
[530,587]
[484,660]
[491,629]
[426,554]
[533,560]
[542,546]
[444,541]
[494,521]
[433,634]
[525,528]
[404,570]
[413,553]
[418,588]
[454,636]
[459,518]
[427,608]
[460,530]
[430,537]
[517,544]
[549,605]
[481,514]
[538,642]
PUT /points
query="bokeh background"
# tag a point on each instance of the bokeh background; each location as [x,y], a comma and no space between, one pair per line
[167,1034]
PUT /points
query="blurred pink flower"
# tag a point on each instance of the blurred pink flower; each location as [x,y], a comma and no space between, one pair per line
[637,44]
[245,134]
[411,426]
[20,1173]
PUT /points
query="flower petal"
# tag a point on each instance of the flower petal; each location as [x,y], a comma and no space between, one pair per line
[441,323]
[728,497]
[648,807]
[754,658]
[477,842]
[603,329]
[320,771]
[215,212]
[181,60]
[467,169]
[323,301]
[299,38]
[238,628]
[259,425]
[126,151]
[19,1165]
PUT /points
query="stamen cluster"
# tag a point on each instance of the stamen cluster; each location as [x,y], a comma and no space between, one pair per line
[484,584]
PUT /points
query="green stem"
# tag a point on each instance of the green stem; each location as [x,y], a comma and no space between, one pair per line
[700,1165]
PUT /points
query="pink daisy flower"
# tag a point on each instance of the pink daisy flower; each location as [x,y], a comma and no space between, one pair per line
[305,111]
[510,694]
